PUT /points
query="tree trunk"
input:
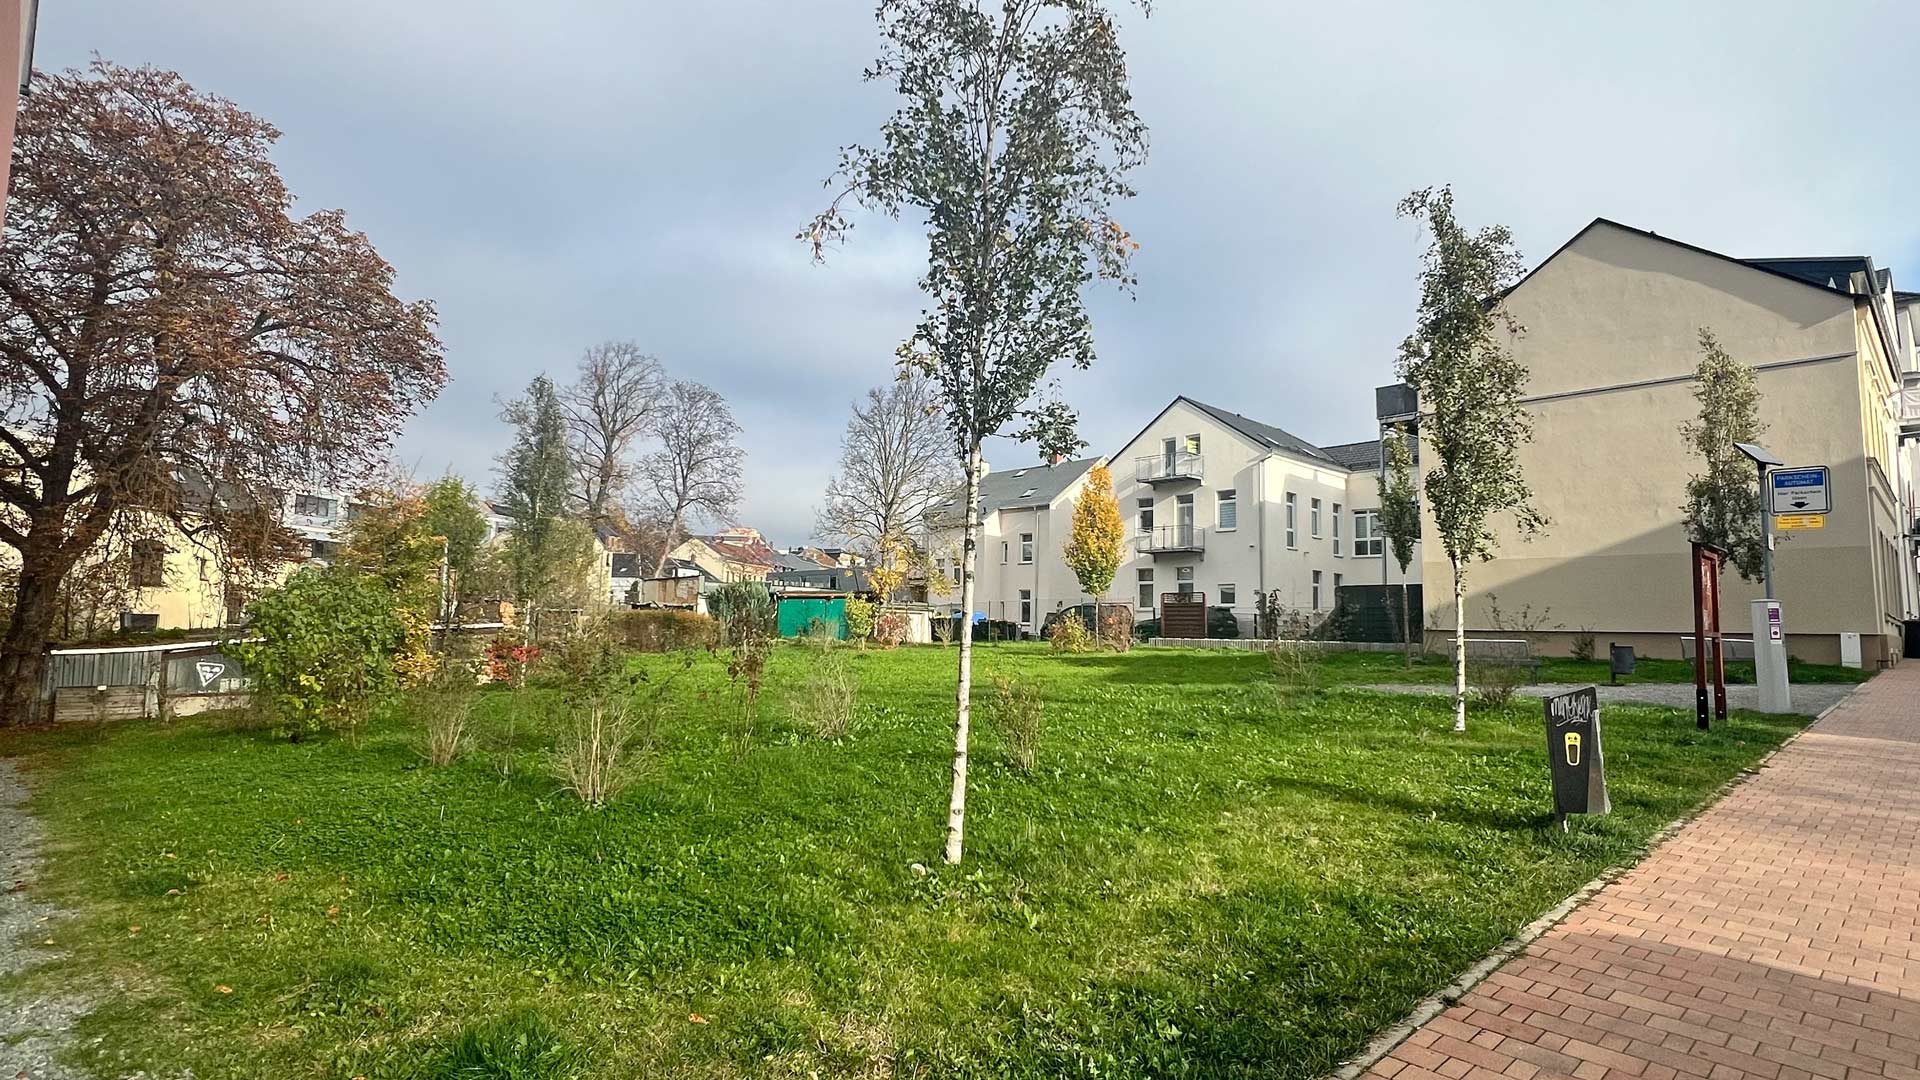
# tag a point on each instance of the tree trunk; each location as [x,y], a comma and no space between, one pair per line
[23,651]
[666,544]
[1406,620]
[1459,647]
[963,696]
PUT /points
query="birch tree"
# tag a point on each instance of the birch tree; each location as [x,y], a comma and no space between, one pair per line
[1723,502]
[1469,385]
[1012,142]
[1400,519]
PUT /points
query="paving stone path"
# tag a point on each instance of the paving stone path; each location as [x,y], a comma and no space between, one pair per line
[1775,936]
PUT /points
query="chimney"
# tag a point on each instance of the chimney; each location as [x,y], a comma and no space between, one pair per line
[1056,459]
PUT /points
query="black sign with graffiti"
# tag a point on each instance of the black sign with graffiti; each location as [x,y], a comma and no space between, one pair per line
[1573,751]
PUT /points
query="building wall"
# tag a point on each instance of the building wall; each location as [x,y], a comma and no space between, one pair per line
[1253,556]
[1611,340]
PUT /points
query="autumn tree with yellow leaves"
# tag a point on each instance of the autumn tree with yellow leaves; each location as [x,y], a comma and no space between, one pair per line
[1093,552]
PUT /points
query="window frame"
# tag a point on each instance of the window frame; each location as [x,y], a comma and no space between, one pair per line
[1026,549]
[1367,542]
[1336,532]
[1143,579]
[1026,607]
[1228,593]
[1226,499]
[147,564]
[1314,513]
[1143,515]
[1293,519]
[1316,590]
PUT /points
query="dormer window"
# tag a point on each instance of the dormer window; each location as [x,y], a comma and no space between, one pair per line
[1028,494]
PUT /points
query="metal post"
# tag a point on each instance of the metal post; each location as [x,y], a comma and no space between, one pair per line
[1766,534]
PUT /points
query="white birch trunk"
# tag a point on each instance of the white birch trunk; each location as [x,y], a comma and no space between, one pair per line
[963,704]
[1459,648]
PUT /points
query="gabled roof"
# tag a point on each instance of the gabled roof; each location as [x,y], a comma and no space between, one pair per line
[1262,435]
[1364,454]
[1014,489]
[1828,273]
[1765,266]
[738,547]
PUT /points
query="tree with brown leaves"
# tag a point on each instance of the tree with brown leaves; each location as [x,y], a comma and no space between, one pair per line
[174,343]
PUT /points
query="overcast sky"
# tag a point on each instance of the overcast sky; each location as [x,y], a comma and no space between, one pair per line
[558,173]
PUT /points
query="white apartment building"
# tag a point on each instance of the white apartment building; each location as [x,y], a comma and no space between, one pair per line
[1231,508]
[1026,519]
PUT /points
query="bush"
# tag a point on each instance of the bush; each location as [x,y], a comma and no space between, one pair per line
[890,630]
[1221,623]
[444,705]
[1583,645]
[824,699]
[1068,634]
[665,630]
[1492,683]
[325,650]
[1017,713]
[742,608]
[859,619]
[1295,666]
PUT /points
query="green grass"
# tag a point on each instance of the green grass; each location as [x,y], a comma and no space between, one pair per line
[1197,879]
[1356,668]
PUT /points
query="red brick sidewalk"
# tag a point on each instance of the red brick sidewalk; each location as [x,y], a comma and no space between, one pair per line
[1776,936]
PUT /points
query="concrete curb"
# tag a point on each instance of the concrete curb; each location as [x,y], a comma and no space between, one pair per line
[1432,1006]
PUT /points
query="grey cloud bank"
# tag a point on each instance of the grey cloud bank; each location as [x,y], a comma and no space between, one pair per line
[554,175]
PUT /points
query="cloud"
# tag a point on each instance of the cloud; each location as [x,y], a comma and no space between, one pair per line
[553,175]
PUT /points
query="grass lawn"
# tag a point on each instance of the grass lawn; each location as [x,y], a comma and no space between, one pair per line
[1356,667]
[1197,880]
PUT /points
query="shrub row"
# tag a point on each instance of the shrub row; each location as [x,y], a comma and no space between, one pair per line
[665,630]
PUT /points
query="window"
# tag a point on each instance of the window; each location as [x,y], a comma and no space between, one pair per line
[1026,548]
[1366,532]
[1316,590]
[1028,494]
[1336,588]
[1193,443]
[1229,594]
[1003,553]
[201,562]
[1026,607]
[1293,519]
[1146,515]
[1183,580]
[1336,530]
[1313,518]
[313,505]
[1144,578]
[1229,510]
[1183,519]
[147,565]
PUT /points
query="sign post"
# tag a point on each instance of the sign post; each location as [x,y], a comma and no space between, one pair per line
[1707,639]
[1574,754]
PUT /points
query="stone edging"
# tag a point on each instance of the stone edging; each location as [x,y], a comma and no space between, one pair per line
[1429,1007]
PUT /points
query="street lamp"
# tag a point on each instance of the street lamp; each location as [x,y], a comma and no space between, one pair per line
[1762,461]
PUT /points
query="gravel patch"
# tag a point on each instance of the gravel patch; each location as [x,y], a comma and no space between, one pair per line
[1811,698]
[33,1030]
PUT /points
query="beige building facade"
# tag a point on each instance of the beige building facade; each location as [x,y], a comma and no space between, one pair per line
[1611,341]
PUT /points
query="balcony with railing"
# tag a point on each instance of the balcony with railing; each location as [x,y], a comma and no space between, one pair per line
[1910,407]
[1172,540]
[1166,468]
